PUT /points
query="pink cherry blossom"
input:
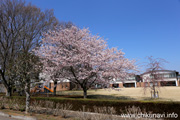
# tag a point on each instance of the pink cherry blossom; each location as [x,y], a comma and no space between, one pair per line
[84,59]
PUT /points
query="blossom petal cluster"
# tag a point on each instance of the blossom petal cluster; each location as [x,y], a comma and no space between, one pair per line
[77,55]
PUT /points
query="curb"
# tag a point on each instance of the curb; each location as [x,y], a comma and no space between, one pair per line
[17,117]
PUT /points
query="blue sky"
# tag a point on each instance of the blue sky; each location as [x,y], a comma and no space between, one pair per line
[140,27]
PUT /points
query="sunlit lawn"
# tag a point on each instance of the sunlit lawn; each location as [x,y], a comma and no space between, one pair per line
[165,93]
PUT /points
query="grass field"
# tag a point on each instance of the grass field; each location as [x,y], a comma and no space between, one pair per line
[165,93]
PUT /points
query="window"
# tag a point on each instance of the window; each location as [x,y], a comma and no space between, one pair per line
[167,75]
[131,78]
[172,75]
[116,85]
[151,76]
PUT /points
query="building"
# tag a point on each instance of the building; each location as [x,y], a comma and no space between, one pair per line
[62,84]
[166,78]
[163,78]
[130,81]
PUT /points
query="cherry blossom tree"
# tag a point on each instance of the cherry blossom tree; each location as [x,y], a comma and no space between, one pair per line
[82,58]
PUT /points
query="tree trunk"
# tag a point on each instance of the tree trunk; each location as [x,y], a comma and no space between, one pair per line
[6,85]
[154,91]
[85,93]
[27,91]
[154,94]
[55,86]
[9,92]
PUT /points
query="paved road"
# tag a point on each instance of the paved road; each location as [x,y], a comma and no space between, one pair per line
[6,118]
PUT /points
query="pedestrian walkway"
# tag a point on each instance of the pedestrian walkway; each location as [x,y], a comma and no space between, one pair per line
[7,118]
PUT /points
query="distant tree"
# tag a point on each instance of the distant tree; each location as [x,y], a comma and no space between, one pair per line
[21,27]
[153,67]
[83,58]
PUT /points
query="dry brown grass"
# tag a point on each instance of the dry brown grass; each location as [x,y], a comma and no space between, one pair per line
[165,93]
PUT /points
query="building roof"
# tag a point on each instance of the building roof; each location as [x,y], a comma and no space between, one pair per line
[160,71]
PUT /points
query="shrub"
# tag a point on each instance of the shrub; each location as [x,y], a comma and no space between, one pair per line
[135,111]
[63,109]
[2,103]
[119,106]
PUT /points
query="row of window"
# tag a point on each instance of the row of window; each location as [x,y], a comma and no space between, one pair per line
[164,83]
[163,76]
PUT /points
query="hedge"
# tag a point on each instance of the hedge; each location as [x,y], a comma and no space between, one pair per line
[120,105]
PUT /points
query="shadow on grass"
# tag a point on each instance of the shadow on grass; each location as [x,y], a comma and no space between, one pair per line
[103,97]
[153,99]
[110,97]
